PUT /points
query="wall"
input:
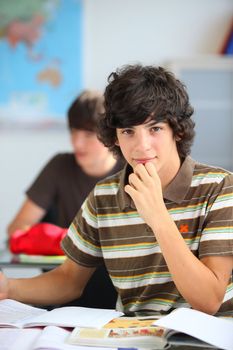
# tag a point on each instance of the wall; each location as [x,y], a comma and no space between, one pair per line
[150,31]
[115,33]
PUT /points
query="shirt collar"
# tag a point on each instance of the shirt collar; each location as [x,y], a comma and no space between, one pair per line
[175,191]
[179,186]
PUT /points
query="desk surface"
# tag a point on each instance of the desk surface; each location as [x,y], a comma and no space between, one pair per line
[30,261]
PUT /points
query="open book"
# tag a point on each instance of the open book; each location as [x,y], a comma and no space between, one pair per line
[181,327]
[18,315]
[121,332]
[49,338]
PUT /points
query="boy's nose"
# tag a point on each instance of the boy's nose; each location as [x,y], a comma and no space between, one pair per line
[142,141]
[80,142]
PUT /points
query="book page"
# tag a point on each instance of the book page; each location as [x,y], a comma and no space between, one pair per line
[72,316]
[18,339]
[210,329]
[134,337]
[53,337]
[122,332]
[14,313]
[131,322]
[50,338]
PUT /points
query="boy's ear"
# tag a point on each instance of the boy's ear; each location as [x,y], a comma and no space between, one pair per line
[177,138]
[117,142]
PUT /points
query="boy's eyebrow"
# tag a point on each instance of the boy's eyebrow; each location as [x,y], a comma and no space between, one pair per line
[148,124]
[153,122]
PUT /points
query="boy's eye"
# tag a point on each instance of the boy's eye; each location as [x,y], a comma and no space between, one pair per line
[127,131]
[155,128]
[89,133]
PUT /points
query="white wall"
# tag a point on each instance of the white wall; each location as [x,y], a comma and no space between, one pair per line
[116,32]
[150,31]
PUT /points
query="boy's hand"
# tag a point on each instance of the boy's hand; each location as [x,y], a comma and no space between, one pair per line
[3,286]
[146,191]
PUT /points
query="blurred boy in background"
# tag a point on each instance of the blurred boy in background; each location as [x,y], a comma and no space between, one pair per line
[59,190]
[66,180]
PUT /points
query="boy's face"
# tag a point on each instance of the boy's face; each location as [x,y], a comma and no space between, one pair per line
[150,142]
[88,150]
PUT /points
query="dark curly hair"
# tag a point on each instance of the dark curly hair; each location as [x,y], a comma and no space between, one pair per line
[85,110]
[136,93]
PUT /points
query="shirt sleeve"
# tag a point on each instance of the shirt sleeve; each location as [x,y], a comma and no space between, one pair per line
[43,189]
[217,235]
[82,243]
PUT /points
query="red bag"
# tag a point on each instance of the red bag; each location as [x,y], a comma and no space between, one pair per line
[40,239]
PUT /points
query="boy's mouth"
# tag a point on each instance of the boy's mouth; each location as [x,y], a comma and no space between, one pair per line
[143,160]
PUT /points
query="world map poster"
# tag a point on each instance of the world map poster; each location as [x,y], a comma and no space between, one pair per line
[40,60]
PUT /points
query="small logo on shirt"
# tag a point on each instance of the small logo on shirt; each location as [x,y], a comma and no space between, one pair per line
[184,228]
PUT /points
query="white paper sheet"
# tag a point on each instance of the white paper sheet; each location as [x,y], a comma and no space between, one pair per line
[49,338]
[210,329]
[12,311]
[18,339]
[72,316]
[16,314]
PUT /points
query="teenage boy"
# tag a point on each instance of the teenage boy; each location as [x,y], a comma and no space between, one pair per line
[164,225]
[63,184]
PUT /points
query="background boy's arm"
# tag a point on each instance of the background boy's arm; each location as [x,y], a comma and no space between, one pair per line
[58,286]
[28,215]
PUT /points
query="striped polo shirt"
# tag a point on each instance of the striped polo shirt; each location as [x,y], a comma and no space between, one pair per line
[108,227]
